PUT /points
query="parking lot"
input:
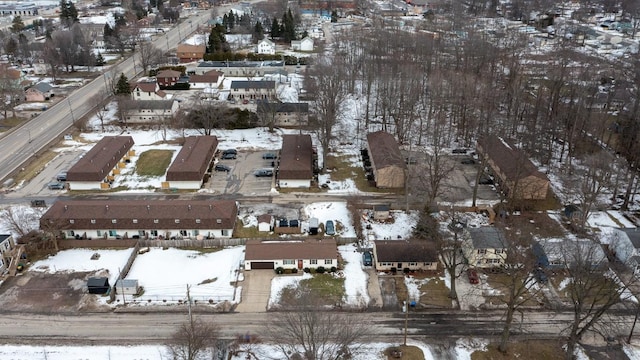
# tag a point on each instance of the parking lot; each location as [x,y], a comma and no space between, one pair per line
[241,178]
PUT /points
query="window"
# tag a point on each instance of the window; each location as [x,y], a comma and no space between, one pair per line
[500,251]
[93,221]
[225,232]
[313,261]
[196,232]
[70,233]
[413,264]
[482,251]
[183,232]
[218,221]
[154,232]
[99,232]
[141,232]
[113,221]
[328,261]
[71,221]
[135,221]
[113,233]
[288,262]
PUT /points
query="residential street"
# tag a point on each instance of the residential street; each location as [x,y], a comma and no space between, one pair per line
[135,328]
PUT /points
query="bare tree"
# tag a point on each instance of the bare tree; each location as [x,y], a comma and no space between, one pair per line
[100,104]
[10,89]
[207,116]
[193,338]
[20,220]
[325,84]
[518,282]
[316,332]
[150,55]
[593,291]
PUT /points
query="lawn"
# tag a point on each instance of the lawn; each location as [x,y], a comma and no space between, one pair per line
[342,169]
[153,162]
[408,353]
[523,350]
[328,289]
[435,294]
[501,281]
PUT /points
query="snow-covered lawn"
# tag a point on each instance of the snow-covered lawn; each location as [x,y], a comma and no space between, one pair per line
[79,260]
[165,274]
[336,211]
[355,279]
[400,228]
[279,283]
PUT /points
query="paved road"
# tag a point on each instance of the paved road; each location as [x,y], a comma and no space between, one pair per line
[22,143]
[129,328]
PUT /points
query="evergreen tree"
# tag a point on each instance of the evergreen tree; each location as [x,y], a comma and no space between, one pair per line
[122,87]
[11,46]
[225,21]
[258,32]
[232,20]
[288,26]
[17,25]
[68,13]
[334,16]
[275,29]
[99,61]
[108,31]
[217,41]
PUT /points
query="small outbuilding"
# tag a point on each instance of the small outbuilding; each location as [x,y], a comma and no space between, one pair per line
[127,287]
[381,212]
[265,223]
[98,285]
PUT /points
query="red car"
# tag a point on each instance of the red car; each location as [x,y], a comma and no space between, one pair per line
[473,276]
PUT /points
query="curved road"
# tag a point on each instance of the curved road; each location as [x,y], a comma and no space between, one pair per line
[22,143]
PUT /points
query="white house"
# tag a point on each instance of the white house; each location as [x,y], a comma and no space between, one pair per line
[6,244]
[305,44]
[485,247]
[147,90]
[266,46]
[562,253]
[147,111]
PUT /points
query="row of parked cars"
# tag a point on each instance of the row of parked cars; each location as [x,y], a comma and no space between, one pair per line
[232,154]
[59,182]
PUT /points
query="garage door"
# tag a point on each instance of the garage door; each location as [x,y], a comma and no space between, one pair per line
[262,265]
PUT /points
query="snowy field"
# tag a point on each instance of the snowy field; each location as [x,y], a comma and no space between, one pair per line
[79,260]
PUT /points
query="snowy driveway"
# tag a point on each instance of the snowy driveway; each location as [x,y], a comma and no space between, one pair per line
[256,289]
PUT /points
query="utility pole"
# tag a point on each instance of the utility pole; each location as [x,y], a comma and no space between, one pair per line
[124,301]
[189,306]
[406,319]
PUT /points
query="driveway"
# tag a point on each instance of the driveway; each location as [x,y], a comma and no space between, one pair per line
[256,289]
[373,288]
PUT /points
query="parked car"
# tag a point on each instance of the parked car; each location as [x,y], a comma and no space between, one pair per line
[230,151]
[468,161]
[472,274]
[228,156]
[269,156]
[459,151]
[263,173]
[38,203]
[222,167]
[367,259]
[330,228]
[62,176]
[55,185]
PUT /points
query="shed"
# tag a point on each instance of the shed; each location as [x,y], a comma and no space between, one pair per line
[265,223]
[127,287]
[381,212]
[98,285]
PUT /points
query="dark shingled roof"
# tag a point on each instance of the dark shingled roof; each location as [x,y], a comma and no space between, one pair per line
[634,236]
[257,250]
[384,150]
[153,104]
[487,238]
[141,214]
[296,158]
[406,251]
[264,106]
[96,164]
[193,159]
[256,84]
[513,162]
[208,77]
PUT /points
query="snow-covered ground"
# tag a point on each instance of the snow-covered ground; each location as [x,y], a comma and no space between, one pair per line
[79,260]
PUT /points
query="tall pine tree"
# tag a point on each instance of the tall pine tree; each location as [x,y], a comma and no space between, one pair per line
[258,32]
[275,29]
[122,87]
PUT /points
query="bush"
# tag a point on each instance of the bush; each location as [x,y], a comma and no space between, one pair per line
[320,270]
[279,270]
[307,270]
[294,271]
[393,270]
[406,270]
[334,269]
[288,271]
